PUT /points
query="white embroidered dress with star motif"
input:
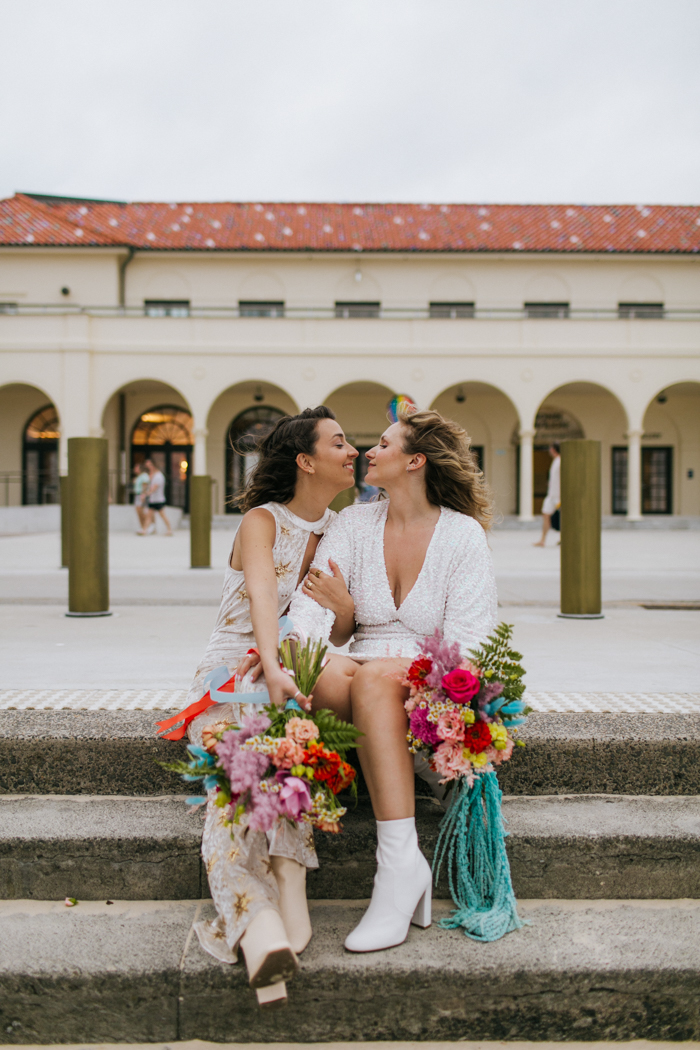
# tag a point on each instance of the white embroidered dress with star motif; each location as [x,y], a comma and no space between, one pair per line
[237,860]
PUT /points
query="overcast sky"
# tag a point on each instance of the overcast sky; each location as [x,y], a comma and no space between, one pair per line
[585,101]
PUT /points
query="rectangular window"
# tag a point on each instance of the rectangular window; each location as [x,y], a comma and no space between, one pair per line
[260,308]
[167,307]
[8,308]
[452,310]
[640,311]
[657,464]
[540,310]
[619,479]
[357,309]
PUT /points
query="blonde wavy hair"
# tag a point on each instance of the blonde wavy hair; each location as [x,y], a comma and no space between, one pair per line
[452,475]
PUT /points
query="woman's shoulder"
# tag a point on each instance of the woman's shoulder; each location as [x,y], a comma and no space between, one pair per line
[463,525]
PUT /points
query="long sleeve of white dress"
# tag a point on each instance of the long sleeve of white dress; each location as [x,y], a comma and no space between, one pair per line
[455,591]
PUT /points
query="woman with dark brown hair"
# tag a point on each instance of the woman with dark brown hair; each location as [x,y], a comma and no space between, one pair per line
[387,575]
[258,880]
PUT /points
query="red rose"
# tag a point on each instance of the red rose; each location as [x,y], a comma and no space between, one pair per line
[461,685]
[419,670]
[477,737]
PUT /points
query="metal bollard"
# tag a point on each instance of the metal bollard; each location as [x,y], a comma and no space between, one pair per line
[88,559]
[580,530]
[65,522]
[200,522]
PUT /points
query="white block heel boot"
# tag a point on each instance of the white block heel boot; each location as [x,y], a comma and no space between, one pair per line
[269,957]
[402,890]
[291,879]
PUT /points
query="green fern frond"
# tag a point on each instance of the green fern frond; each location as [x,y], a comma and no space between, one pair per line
[500,663]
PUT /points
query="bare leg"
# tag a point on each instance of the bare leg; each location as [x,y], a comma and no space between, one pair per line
[167,523]
[149,519]
[378,712]
[333,687]
[141,514]
[546,523]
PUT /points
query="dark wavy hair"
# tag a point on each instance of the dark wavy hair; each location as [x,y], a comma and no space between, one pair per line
[274,477]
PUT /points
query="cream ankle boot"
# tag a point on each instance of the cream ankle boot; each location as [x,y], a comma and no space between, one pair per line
[269,958]
[402,890]
[432,778]
[291,879]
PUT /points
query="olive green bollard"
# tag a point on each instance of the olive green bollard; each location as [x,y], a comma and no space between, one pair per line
[65,524]
[580,530]
[88,523]
[200,522]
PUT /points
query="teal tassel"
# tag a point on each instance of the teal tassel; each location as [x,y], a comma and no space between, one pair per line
[472,845]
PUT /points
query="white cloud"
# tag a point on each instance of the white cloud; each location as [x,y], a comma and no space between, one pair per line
[461,100]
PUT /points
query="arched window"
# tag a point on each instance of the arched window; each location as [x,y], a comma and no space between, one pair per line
[164,435]
[247,429]
[40,482]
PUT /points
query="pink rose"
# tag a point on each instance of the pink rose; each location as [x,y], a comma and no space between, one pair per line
[461,685]
[301,730]
[288,754]
[294,796]
[450,726]
[450,762]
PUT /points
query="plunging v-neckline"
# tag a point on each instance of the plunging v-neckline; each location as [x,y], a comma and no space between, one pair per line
[398,608]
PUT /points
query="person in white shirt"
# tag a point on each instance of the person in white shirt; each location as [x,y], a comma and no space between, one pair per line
[155,499]
[553,497]
[141,482]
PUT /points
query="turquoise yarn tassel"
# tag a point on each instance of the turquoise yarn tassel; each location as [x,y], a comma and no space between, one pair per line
[472,845]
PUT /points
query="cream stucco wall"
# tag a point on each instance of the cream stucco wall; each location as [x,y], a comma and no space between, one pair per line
[606,372]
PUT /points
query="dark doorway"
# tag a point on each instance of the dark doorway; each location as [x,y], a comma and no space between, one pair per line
[40,482]
[164,435]
[657,474]
[244,435]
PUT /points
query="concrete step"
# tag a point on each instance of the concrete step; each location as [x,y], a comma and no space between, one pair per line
[115,752]
[582,847]
[134,972]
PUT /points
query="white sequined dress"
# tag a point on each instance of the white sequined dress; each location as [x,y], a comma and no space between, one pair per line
[455,591]
[238,865]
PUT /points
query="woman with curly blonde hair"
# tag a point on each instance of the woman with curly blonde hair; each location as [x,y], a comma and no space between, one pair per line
[387,575]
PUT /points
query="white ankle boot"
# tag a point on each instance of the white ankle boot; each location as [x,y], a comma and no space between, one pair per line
[268,956]
[402,890]
[291,879]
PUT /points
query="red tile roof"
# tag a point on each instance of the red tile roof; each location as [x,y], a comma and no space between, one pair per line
[37,220]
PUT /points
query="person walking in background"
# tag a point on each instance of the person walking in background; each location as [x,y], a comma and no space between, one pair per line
[155,498]
[141,480]
[553,497]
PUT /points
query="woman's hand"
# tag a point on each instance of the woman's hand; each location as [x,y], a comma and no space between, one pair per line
[282,687]
[329,591]
[251,661]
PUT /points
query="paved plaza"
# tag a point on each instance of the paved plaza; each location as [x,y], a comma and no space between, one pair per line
[144,655]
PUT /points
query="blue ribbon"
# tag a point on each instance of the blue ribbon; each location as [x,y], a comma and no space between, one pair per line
[220,675]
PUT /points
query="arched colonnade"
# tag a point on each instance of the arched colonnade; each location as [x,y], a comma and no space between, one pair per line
[650,432]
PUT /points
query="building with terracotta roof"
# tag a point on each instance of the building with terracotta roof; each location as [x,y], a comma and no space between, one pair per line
[174,328]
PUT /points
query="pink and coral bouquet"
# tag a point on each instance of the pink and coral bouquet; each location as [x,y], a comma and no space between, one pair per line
[464,711]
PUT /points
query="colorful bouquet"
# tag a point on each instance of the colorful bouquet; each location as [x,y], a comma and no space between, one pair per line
[464,712]
[277,765]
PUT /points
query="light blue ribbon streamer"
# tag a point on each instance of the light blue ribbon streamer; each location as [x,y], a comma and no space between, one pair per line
[220,675]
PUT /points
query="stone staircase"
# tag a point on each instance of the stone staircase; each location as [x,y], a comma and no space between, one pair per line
[604,821]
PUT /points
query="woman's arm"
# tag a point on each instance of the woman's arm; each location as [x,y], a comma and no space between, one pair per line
[318,618]
[471,606]
[257,538]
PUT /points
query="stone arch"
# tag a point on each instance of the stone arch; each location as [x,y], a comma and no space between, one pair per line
[263,285]
[224,409]
[19,405]
[120,413]
[547,287]
[490,417]
[585,409]
[670,454]
[351,289]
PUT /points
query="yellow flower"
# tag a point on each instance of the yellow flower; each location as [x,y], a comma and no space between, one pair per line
[499,736]
[468,715]
[476,760]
